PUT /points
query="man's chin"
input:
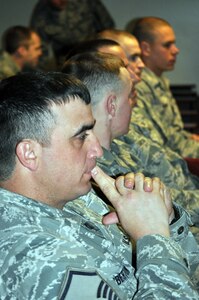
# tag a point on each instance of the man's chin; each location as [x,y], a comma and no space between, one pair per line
[85,189]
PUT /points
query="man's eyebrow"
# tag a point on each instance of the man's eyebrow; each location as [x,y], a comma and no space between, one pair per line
[85,128]
[131,56]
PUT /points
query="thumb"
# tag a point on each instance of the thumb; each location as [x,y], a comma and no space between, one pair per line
[106,184]
[110,218]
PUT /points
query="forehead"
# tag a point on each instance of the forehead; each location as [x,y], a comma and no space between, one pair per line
[35,39]
[115,50]
[131,46]
[164,33]
[71,116]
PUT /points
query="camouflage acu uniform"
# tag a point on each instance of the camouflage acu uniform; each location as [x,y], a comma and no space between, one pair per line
[8,67]
[60,30]
[141,156]
[155,98]
[117,162]
[47,253]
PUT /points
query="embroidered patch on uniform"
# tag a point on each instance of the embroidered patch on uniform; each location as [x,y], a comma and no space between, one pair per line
[122,276]
[86,285]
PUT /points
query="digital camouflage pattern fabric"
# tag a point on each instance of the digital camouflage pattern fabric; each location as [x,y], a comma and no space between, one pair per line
[161,110]
[8,66]
[140,156]
[60,30]
[47,253]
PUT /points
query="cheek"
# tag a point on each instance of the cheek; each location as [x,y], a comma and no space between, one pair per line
[163,55]
[125,116]
[133,66]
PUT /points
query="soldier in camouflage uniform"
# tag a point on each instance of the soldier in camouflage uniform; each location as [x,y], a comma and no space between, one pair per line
[54,248]
[142,127]
[142,154]
[62,24]
[157,43]
[143,148]
[21,51]
[99,72]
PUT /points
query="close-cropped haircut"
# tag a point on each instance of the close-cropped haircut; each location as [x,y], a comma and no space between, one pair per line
[16,36]
[113,34]
[90,46]
[145,28]
[100,72]
[26,102]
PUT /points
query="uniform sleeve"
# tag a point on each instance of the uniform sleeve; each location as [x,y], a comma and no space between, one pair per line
[162,270]
[180,232]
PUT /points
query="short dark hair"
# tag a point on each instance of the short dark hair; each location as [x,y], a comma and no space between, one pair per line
[98,71]
[90,46]
[25,110]
[144,28]
[16,36]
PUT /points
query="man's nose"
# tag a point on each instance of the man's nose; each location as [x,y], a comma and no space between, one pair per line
[140,63]
[96,149]
[175,49]
[134,77]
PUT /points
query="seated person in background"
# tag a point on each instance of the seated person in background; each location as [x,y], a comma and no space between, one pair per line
[63,23]
[159,52]
[129,44]
[145,156]
[48,240]
[111,91]
[141,122]
[104,46]
[21,49]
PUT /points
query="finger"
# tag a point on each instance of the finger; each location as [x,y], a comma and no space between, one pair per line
[167,194]
[129,180]
[139,182]
[106,184]
[162,189]
[168,202]
[156,184]
[119,184]
[110,219]
[148,186]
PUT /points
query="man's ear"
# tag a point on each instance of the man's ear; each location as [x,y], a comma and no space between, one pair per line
[21,51]
[145,48]
[111,105]
[27,152]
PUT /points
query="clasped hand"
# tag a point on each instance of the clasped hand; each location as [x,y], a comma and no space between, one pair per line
[143,205]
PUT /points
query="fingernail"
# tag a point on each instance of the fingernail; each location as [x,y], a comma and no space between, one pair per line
[129,184]
[148,183]
[147,186]
[94,171]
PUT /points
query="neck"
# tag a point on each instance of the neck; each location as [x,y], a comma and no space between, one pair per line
[103,136]
[151,67]
[18,61]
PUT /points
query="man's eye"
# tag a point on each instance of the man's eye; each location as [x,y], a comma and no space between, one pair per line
[83,136]
[133,58]
[167,45]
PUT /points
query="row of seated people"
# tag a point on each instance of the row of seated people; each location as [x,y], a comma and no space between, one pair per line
[138,123]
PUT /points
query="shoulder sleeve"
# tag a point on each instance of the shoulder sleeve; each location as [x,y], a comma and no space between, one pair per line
[162,270]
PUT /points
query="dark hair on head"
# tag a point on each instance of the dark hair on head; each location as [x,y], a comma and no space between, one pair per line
[144,28]
[100,72]
[16,36]
[26,102]
[90,46]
